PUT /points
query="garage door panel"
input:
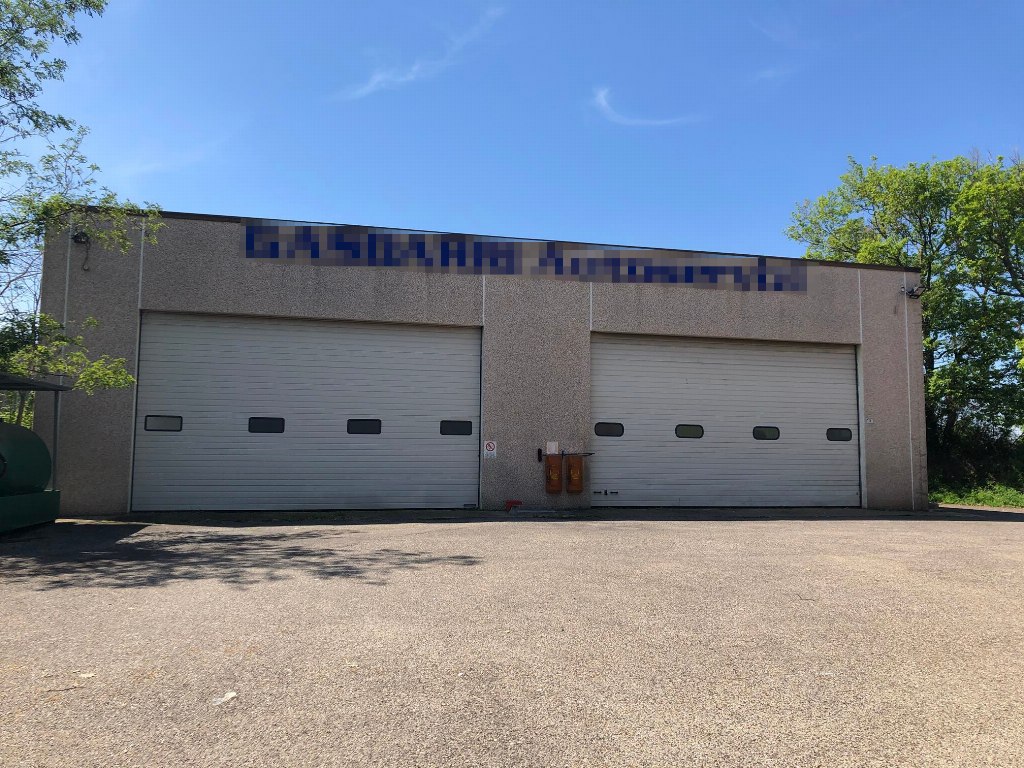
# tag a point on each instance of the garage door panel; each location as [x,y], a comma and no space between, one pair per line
[649,385]
[217,372]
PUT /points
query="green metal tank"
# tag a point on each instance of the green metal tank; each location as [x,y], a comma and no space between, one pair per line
[25,464]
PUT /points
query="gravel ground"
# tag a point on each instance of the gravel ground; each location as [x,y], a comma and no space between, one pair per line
[752,639]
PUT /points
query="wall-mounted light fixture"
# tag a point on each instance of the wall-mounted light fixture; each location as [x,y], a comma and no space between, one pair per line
[913,293]
[81,237]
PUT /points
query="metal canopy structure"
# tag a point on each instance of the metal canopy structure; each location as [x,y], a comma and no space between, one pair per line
[12,382]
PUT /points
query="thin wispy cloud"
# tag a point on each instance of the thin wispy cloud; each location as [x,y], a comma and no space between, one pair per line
[603,105]
[421,69]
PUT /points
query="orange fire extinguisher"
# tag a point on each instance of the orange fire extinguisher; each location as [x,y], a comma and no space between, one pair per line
[553,473]
[574,473]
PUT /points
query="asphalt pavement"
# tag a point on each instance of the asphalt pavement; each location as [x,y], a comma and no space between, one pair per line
[745,638]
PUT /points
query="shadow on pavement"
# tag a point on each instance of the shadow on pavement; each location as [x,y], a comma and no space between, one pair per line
[241,549]
[114,554]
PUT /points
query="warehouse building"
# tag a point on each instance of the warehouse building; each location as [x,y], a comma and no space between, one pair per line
[288,365]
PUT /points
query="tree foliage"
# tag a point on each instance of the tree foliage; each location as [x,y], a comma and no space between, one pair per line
[55,187]
[38,346]
[47,185]
[961,222]
[988,223]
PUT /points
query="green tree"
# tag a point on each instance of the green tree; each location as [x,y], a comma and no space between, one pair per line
[55,187]
[988,223]
[40,347]
[47,185]
[960,222]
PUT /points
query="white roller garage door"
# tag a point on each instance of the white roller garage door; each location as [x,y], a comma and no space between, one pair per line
[716,393]
[361,407]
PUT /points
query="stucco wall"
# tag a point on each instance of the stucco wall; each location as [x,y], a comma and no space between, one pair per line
[95,431]
[536,385]
[893,391]
[536,346]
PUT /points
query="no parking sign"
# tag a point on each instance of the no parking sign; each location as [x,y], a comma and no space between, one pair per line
[490,449]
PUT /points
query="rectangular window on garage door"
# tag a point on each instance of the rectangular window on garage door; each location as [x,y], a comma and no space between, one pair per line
[266,425]
[363,426]
[163,424]
[456,427]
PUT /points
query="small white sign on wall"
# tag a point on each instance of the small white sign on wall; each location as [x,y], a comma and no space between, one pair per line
[490,449]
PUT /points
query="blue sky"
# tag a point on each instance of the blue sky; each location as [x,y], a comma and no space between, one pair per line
[672,124]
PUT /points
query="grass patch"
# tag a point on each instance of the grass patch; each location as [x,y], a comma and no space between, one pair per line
[991,495]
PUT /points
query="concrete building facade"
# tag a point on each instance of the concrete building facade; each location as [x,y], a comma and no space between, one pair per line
[296,310]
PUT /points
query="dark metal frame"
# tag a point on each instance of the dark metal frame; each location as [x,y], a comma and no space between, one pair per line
[10,382]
